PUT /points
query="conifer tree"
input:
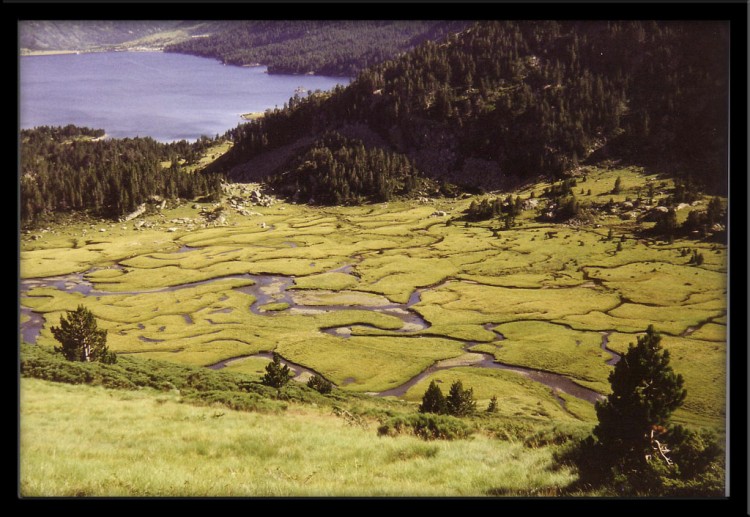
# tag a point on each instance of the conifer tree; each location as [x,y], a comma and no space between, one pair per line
[433,400]
[277,374]
[81,338]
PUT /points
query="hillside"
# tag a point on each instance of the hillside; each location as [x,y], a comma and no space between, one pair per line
[339,47]
[503,102]
[88,35]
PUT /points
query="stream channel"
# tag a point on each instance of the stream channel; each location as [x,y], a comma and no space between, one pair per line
[276,289]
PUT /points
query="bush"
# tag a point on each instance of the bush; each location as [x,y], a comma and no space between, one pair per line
[320,384]
[425,426]
[238,401]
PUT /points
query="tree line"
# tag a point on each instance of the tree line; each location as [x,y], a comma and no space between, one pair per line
[63,169]
[524,98]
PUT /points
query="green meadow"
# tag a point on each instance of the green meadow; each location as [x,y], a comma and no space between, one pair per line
[189,297]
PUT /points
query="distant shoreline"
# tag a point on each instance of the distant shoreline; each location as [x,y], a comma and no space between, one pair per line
[27,52]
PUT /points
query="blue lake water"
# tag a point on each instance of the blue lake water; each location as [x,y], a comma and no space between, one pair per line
[165,96]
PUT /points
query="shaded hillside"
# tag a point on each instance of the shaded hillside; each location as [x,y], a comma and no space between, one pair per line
[340,47]
[97,34]
[502,102]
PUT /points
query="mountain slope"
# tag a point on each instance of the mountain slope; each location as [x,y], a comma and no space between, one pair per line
[505,101]
[36,35]
[337,47]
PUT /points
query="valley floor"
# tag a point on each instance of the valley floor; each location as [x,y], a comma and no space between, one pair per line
[372,298]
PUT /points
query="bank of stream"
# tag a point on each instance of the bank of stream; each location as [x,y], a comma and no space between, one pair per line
[277,289]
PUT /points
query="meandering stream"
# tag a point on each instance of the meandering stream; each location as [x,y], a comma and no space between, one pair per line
[276,289]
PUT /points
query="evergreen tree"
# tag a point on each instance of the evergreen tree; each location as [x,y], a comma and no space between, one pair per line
[277,374]
[618,185]
[81,338]
[645,392]
[460,401]
[492,406]
[433,400]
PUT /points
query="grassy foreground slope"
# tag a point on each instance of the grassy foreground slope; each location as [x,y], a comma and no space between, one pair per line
[150,443]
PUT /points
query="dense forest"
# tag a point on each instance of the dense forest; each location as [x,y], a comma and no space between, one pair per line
[502,102]
[337,48]
[68,168]
[337,170]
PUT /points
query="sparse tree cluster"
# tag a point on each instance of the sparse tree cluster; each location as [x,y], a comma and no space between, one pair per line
[459,402]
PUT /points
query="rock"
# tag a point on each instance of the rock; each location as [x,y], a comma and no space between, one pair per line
[102,229]
[163,205]
[529,204]
[132,215]
[172,229]
[263,225]
[196,206]
[682,205]
[718,228]
[627,205]
[438,213]
[662,209]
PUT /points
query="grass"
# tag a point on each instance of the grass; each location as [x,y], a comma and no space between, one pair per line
[142,444]
[545,293]
[553,348]
[517,396]
[369,363]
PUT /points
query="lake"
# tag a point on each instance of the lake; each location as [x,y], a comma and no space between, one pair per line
[162,95]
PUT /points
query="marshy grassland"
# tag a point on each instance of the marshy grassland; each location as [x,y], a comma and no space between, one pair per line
[369,297]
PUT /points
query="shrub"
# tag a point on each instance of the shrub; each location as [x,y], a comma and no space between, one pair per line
[320,384]
[426,426]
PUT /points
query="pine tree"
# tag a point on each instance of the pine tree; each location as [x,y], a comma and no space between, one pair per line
[492,406]
[277,374]
[433,400]
[645,392]
[81,339]
[460,401]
